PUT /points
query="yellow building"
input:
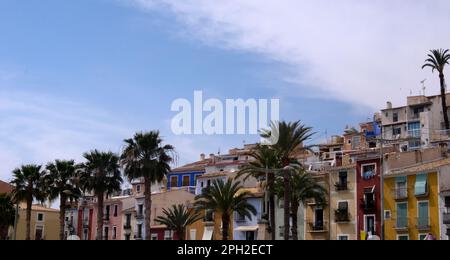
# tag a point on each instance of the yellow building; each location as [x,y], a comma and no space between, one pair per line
[411,201]
[44,223]
[317,217]
[208,228]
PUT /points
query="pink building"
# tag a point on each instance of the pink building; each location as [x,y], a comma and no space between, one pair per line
[112,219]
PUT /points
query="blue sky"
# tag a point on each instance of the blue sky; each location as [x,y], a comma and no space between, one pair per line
[85,74]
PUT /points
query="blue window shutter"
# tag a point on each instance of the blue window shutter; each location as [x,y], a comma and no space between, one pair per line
[401,179]
[421,184]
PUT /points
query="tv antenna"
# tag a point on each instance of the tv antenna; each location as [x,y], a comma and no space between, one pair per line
[423,86]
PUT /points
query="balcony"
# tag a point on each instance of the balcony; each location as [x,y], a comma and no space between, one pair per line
[139,216]
[341,186]
[106,219]
[368,205]
[341,216]
[423,224]
[127,226]
[400,193]
[446,218]
[401,224]
[317,226]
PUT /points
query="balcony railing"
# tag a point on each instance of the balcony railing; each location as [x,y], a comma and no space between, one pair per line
[423,223]
[341,186]
[368,205]
[127,226]
[317,226]
[402,223]
[447,218]
[401,193]
[139,215]
[341,216]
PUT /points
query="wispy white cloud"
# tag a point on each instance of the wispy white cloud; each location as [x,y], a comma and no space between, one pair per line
[363,52]
[37,128]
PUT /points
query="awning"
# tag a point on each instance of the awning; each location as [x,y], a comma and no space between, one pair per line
[421,184]
[208,233]
[246,228]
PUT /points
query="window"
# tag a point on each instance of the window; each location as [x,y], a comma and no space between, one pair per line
[106,233]
[396,131]
[139,231]
[186,181]
[40,217]
[138,188]
[447,203]
[395,117]
[423,220]
[318,219]
[140,209]
[209,215]
[128,220]
[202,184]
[343,237]
[114,236]
[369,224]
[356,142]
[422,236]
[342,184]
[414,144]
[369,197]
[168,235]
[116,209]
[414,129]
[402,237]
[368,171]
[421,187]
[250,235]
[107,210]
[154,236]
[208,183]
[401,189]
[174,181]
[402,215]
[39,232]
[281,203]
[372,144]
[193,234]
[387,214]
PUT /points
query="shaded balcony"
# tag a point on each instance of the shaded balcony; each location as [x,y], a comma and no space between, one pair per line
[317,226]
[341,216]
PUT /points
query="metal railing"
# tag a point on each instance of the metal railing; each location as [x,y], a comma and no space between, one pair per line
[400,193]
[368,204]
[139,215]
[127,226]
[423,223]
[318,226]
[341,186]
[401,223]
[341,215]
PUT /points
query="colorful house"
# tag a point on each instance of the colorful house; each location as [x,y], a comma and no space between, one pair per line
[317,216]
[44,223]
[412,200]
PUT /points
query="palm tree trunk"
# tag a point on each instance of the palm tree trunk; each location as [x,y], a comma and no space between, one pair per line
[181,234]
[444,101]
[28,218]
[225,226]
[62,212]
[100,199]
[295,206]
[148,207]
[287,202]
[271,183]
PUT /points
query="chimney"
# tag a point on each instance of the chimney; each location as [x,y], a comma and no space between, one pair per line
[202,157]
[389,105]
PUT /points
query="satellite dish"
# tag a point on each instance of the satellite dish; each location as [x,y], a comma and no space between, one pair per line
[73,238]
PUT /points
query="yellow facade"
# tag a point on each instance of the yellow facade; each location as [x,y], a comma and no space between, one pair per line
[198,228]
[317,226]
[395,228]
[44,223]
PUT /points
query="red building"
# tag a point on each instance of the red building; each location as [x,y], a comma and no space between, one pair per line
[368,194]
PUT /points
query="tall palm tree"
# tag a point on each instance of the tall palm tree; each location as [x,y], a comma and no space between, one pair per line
[100,175]
[437,60]
[303,187]
[28,186]
[265,159]
[146,157]
[292,137]
[61,181]
[178,218]
[225,198]
[7,215]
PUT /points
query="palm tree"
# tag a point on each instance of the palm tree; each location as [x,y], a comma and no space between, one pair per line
[225,198]
[61,181]
[28,185]
[265,159]
[178,218]
[101,175]
[437,61]
[292,137]
[303,187]
[146,157]
[7,215]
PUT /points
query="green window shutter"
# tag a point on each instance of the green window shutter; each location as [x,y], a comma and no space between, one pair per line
[401,179]
[421,184]
[402,215]
[423,220]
